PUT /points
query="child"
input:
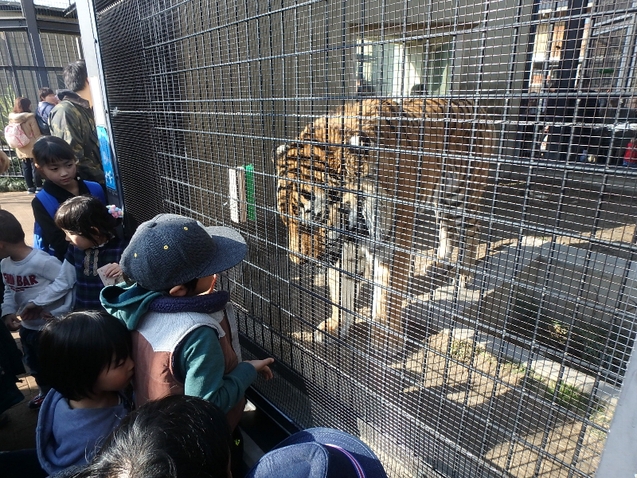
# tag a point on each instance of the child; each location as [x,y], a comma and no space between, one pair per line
[86,359]
[182,338]
[56,163]
[27,273]
[178,436]
[47,101]
[93,259]
[197,447]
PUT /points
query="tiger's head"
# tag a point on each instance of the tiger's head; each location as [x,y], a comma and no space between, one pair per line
[309,195]
[321,168]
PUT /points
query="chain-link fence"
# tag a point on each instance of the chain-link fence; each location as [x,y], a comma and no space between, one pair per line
[438,199]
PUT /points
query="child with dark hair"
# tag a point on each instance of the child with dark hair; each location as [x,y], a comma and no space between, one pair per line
[47,101]
[56,163]
[93,261]
[184,331]
[28,273]
[177,436]
[86,359]
[186,437]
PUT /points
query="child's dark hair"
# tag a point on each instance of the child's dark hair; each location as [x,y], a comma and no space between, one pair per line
[10,228]
[86,216]
[75,350]
[51,149]
[175,437]
[44,92]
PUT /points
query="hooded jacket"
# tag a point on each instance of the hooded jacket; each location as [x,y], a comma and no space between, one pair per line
[31,129]
[66,437]
[72,120]
[183,345]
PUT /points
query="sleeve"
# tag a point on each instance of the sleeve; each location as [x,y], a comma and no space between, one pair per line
[51,234]
[201,362]
[63,125]
[9,305]
[62,284]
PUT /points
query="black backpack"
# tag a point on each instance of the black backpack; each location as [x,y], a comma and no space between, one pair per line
[43,125]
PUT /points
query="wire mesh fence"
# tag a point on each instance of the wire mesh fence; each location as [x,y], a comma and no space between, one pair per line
[438,200]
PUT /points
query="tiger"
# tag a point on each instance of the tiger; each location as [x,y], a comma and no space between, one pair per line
[349,187]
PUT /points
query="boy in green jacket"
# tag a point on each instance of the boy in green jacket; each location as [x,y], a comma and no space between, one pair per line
[183,342]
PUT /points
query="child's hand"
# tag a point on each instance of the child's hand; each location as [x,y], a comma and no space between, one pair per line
[12,322]
[262,367]
[47,316]
[111,270]
[31,312]
[110,274]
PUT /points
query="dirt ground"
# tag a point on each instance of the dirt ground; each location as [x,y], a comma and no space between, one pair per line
[506,416]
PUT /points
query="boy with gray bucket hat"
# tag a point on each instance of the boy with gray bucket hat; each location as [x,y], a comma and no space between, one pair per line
[183,342]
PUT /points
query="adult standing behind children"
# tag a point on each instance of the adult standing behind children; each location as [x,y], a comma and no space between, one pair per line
[22,115]
[72,120]
[48,100]
[182,339]
[27,273]
[56,162]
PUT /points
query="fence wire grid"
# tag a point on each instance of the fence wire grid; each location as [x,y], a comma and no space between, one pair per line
[438,199]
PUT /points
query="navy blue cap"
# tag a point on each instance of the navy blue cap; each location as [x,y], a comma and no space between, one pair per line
[171,250]
[319,453]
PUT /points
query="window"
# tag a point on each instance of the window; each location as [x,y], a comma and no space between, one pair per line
[398,67]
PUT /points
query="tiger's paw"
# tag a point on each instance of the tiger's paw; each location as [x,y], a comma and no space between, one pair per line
[303,336]
[316,337]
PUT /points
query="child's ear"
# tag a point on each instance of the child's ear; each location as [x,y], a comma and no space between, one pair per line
[178,291]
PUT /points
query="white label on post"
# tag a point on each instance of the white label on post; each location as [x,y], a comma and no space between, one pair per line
[237,194]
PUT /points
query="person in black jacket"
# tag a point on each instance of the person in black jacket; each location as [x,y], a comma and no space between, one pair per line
[56,162]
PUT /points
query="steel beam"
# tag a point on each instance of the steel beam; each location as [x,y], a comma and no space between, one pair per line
[28,11]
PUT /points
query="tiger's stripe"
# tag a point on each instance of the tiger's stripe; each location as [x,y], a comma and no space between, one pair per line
[353,162]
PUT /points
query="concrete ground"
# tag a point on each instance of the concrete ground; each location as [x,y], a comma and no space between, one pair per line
[19,433]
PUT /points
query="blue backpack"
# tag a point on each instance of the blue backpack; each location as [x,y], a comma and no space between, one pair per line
[51,205]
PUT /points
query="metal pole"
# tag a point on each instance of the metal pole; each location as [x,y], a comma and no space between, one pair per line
[90,46]
[28,11]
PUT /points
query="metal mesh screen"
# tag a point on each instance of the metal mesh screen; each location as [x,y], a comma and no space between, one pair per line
[440,222]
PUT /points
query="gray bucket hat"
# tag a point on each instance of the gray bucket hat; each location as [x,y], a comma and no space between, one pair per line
[171,250]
